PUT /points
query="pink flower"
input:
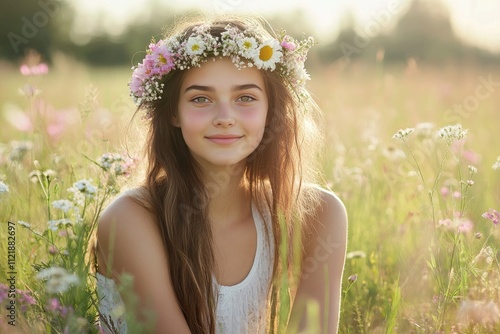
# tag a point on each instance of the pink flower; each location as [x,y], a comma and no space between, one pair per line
[54,305]
[39,69]
[492,215]
[465,226]
[288,45]
[457,194]
[445,191]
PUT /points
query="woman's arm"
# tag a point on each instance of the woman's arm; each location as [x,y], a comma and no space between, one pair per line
[129,241]
[323,265]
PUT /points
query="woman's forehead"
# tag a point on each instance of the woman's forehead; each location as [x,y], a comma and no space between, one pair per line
[222,73]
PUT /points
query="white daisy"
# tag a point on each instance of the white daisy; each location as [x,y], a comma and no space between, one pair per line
[195,46]
[268,54]
[247,47]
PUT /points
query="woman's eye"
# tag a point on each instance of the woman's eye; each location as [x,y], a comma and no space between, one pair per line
[246,98]
[200,99]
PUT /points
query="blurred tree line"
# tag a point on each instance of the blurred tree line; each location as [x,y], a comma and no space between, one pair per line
[422,33]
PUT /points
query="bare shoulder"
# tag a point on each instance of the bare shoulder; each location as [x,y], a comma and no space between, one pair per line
[130,241]
[330,214]
[122,225]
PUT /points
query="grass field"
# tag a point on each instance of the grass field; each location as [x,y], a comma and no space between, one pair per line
[421,256]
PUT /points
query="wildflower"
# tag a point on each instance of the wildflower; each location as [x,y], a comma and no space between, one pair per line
[54,224]
[29,91]
[356,254]
[452,133]
[470,182]
[57,279]
[24,224]
[478,235]
[424,130]
[496,164]
[485,256]
[39,69]
[458,224]
[465,226]
[116,162]
[81,190]
[63,204]
[49,173]
[393,153]
[403,134]
[268,55]
[288,43]
[19,150]
[472,169]
[53,250]
[53,305]
[492,215]
[353,278]
[457,194]
[3,188]
[248,47]
[195,45]
[445,191]
[478,312]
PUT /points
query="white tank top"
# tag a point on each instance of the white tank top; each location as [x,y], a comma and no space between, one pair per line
[241,308]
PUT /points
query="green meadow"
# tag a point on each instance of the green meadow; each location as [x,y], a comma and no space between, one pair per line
[411,149]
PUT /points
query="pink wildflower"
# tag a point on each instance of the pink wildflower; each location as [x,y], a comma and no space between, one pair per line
[53,305]
[465,226]
[457,194]
[445,191]
[492,215]
[288,44]
[39,69]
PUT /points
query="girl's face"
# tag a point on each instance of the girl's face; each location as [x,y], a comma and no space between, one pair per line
[222,112]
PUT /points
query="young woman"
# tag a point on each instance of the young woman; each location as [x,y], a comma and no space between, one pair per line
[209,237]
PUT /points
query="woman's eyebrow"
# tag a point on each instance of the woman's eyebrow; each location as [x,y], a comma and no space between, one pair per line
[212,89]
[200,87]
[246,86]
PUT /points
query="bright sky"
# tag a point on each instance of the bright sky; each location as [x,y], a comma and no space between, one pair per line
[475,20]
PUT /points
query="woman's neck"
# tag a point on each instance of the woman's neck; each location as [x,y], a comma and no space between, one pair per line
[229,196]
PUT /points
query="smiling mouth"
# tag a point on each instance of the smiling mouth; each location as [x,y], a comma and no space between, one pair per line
[224,139]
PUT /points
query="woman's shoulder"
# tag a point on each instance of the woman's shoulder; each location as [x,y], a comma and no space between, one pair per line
[330,212]
[130,202]
[124,224]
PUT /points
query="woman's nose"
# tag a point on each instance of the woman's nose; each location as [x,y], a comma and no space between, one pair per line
[225,116]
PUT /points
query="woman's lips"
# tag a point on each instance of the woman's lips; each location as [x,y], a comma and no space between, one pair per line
[223,139]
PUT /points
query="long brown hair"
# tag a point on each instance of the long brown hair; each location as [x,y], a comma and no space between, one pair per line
[275,174]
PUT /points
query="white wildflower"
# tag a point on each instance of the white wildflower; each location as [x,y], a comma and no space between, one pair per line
[451,133]
[472,169]
[195,45]
[268,54]
[63,204]
[3,188]
[24,224]
[19,150]
[496,165]
[248,47]
[84,187]
[57,279]
[403,133]
[478,312]
[424,130]
[54,224]
[49,173]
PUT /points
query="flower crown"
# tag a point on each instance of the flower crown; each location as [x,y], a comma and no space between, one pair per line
[284,53]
